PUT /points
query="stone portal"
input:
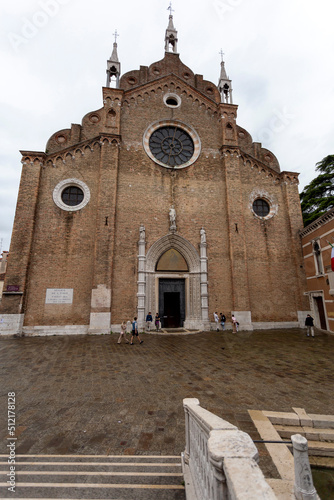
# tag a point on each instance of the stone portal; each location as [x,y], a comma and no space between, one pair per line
[172,306]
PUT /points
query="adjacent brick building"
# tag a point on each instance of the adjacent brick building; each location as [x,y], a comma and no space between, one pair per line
[157,202]
[317,241]
[3,267]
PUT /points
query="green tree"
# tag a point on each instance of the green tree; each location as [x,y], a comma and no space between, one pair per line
[318,196]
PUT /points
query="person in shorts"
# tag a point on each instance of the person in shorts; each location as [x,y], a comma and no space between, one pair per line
[135,331]
[122,335]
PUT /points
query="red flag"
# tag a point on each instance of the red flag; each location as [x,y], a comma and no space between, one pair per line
[332,259]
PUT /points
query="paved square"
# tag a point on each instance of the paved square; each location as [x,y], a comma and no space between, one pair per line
[89,395]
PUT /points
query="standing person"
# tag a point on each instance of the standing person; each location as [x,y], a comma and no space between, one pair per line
[122,335]
[234,324]
[149,320]
[157,321]
[222,320]
[135,331]
[309,325]
[215,315]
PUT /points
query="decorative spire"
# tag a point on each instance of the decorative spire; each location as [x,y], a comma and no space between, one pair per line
[113,64]
[224,84]
[171,33]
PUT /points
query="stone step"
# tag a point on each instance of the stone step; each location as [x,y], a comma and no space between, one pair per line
[310,433]
[321,449]
[95,477]
[300,418]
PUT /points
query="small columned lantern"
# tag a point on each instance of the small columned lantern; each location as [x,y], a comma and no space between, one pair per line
[171,34]
[113,65]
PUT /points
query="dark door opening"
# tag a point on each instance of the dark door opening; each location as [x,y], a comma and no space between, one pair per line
[172,309]
[172,302]
[321,312]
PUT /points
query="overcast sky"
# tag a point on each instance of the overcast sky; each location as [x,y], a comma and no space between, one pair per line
[279,56]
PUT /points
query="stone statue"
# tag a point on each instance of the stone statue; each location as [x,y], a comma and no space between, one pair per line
[203,235]
[172,217]
[142,233]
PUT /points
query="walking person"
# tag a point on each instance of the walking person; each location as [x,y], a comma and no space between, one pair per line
[309,325]
[122,335]
[235,324]
[222,320]
[157,321]
[135,331]
[215,315]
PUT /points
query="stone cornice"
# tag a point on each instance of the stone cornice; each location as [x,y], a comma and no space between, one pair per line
[43,158]
[327,217]
[259,166]
[139,90]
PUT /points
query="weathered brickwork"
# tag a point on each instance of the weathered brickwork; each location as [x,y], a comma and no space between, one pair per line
[254,264]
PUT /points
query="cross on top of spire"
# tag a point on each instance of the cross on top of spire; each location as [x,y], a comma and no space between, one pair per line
[115,35]
[170,8]
[221,54]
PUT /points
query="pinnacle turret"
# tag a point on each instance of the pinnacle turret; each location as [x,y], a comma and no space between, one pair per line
[171,33]
[113,64]
[224,84]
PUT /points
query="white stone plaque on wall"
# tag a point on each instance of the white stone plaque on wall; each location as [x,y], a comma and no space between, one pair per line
[59,296]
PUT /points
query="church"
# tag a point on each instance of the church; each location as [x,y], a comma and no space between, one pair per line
[157,202]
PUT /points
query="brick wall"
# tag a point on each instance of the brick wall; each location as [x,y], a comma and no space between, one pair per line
[254,264]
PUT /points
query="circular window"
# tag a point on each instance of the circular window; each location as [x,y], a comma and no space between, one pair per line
[172,100]
[261,207]
[71,195]
[172,144]
[94,118]
[61,139]
[132,80]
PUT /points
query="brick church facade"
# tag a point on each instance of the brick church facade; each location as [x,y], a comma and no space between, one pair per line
[157,202]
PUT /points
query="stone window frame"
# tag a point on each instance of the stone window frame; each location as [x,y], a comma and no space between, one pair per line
[173,96]
[173,123]
[57,192]
[263,195]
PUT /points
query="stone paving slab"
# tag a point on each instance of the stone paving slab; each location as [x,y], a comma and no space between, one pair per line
[89,395]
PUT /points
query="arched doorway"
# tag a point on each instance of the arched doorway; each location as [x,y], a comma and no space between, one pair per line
[173,266]
[172,297]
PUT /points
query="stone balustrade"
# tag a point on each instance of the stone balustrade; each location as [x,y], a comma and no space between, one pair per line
[220,461]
